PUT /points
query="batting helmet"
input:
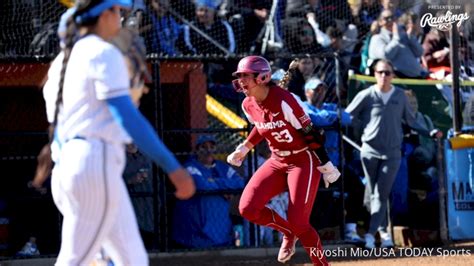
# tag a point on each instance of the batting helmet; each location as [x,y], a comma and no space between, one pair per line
[255,65]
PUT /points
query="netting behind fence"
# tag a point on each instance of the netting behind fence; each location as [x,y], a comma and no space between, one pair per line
[206,27]
[280,30]
[230,28]
[29,28]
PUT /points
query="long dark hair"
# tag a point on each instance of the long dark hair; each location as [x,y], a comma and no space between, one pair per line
[288,75]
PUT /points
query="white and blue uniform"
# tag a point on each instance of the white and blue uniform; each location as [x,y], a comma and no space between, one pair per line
[89,155]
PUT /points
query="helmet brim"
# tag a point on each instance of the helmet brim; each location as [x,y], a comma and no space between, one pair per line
[242,72]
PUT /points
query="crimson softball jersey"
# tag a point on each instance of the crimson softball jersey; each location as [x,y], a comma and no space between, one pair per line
[278,119]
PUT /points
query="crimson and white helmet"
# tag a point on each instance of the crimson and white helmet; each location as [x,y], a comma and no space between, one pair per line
[253,64]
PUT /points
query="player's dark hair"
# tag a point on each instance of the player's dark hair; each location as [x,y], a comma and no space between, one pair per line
[69,43]
[288,74]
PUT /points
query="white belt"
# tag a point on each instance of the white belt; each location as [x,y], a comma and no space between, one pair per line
[288,153]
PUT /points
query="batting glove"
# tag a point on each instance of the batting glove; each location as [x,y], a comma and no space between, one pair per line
[330,173]
[237,157]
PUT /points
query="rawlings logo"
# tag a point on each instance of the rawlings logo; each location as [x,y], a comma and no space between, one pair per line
[444,22]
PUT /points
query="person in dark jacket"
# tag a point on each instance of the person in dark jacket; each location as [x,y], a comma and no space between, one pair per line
[219,30]
[163,30]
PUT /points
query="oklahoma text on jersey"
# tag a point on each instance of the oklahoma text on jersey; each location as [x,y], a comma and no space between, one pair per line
[270,125]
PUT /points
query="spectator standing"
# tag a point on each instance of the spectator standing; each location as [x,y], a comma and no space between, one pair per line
[381,109]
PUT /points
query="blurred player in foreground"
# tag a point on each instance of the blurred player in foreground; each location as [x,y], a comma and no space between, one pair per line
[92,117]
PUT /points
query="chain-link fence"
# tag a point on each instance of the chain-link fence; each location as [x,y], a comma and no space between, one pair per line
[227,27]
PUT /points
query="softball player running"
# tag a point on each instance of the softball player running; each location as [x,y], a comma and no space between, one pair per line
[298,157]
[93,117]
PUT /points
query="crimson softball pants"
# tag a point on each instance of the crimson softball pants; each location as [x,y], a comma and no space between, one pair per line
[298,174]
